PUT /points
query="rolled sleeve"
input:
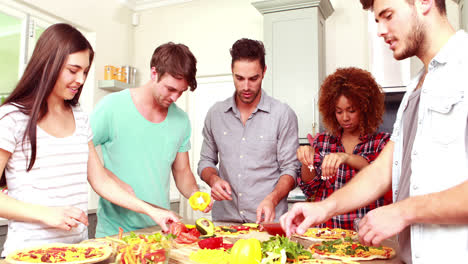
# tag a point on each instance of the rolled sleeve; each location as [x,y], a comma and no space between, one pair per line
[209,149]
[288,143]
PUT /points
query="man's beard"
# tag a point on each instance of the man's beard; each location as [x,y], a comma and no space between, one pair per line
[414,42]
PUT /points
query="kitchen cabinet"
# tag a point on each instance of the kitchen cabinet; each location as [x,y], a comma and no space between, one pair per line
[294,38]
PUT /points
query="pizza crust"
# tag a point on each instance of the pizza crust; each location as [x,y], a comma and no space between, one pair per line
[107,251]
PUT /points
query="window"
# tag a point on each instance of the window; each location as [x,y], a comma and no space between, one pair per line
[19,32]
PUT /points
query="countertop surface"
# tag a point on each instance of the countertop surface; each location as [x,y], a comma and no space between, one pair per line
[180,255]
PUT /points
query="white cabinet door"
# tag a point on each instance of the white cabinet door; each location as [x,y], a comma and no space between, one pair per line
[295,62]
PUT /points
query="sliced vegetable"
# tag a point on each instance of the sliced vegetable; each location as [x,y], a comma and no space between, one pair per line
[246,251]
[205,226]
[251,225]
[228,229]
[199,201]
[211,243]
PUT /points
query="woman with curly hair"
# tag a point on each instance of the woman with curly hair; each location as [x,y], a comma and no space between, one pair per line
[352,106]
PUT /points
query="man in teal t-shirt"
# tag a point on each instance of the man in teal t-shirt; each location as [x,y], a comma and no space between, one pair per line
[144,136]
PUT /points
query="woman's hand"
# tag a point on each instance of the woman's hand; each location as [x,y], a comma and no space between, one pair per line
[65,218]
[331,163]
[305,154]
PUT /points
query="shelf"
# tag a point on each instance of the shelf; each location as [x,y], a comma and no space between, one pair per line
[113,85]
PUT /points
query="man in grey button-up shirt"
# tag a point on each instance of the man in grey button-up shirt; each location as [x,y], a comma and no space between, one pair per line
[254,137]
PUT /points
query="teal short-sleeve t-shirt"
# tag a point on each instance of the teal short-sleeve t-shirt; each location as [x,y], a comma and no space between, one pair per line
[140,153]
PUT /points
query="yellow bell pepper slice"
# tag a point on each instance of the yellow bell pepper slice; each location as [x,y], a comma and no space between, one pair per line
[199,201]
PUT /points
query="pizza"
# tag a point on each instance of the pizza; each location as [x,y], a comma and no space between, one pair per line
[328,261]
[346,249]
[61,253]
[327,234]
[235,230]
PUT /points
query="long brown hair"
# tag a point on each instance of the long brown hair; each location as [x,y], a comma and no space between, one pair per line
[39,78]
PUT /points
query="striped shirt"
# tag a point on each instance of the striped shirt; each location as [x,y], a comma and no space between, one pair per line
[58,178]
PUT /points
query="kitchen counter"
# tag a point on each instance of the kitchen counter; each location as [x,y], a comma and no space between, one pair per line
[176,258]
[180,255]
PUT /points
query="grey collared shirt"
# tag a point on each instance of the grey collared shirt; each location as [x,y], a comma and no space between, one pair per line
[251,158]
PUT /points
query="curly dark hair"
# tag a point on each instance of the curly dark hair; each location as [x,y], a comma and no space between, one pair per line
[248,49]
[440,4]
[359,87]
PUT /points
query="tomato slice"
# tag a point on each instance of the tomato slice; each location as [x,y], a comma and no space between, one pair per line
[156,256]
[177,228]
[211,243]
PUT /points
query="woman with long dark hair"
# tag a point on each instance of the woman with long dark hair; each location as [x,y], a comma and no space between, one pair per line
[46,149]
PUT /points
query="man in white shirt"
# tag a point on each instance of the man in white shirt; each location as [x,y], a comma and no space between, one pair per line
[426,162]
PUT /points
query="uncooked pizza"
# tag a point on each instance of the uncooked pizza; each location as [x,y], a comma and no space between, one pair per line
[61,253]
[346,249]
[327,234]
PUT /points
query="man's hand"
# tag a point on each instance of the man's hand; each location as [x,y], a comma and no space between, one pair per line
[221,190]
[305,154]
[303,215]
[163,218]
[65,218]
[209,207]
[380,224]
[332,162]
[266,209]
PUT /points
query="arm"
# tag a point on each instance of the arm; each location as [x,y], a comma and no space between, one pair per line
[447,207]
[58,217]
[333,161]
[289,165]
[268,205]
[183,176]
[220,189]
[122,184]
[110,190]
[368,185]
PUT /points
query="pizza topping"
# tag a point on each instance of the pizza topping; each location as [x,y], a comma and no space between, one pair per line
[279,248]
[54,254]
[341,248]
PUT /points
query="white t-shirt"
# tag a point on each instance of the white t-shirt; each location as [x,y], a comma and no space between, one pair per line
[58,178]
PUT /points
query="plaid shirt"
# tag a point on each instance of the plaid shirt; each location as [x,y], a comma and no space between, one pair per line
[318,189]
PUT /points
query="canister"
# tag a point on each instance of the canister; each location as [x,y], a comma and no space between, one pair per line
[109,72]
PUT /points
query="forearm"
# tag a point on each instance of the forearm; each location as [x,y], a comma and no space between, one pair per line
[108,188]
[357,162]
[445,207]
[282,189]
[209,175]
[186,183]
[368,185]
[20,211]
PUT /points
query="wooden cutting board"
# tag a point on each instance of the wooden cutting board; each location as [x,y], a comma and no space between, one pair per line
[182,253]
